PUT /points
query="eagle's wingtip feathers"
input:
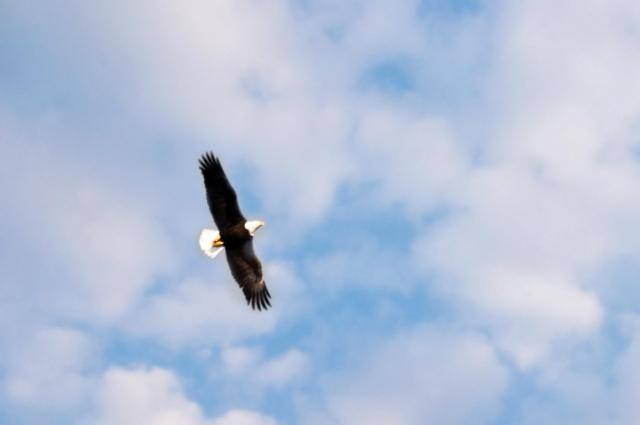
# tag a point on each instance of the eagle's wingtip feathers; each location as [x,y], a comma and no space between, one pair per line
[209,160]
[258,299]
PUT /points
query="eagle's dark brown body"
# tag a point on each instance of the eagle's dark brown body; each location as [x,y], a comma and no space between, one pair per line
[235,236]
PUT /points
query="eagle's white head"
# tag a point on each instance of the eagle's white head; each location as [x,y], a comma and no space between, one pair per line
[253,225]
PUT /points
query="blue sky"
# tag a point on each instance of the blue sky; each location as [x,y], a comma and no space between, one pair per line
[450,191]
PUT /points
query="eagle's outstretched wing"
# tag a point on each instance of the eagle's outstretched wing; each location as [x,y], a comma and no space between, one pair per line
[247,271]
[222,199]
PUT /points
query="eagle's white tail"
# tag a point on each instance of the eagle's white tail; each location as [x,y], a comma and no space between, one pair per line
[207,236]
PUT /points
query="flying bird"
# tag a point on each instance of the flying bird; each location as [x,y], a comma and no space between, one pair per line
[234,234]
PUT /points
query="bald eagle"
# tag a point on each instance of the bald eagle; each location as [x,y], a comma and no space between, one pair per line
[234,234]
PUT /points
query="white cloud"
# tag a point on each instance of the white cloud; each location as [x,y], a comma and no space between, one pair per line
[242,417]
[587,385]
[152,396]
[426,375]
[155,396]
[98,242]
[517,253]
[239,360]
[49,370]
[550,308]
[275,372]
[412,156]
[280,370]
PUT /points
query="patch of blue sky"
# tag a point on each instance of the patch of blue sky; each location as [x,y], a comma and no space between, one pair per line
[617,284]
[445,83]
[450,8]
[392,76]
